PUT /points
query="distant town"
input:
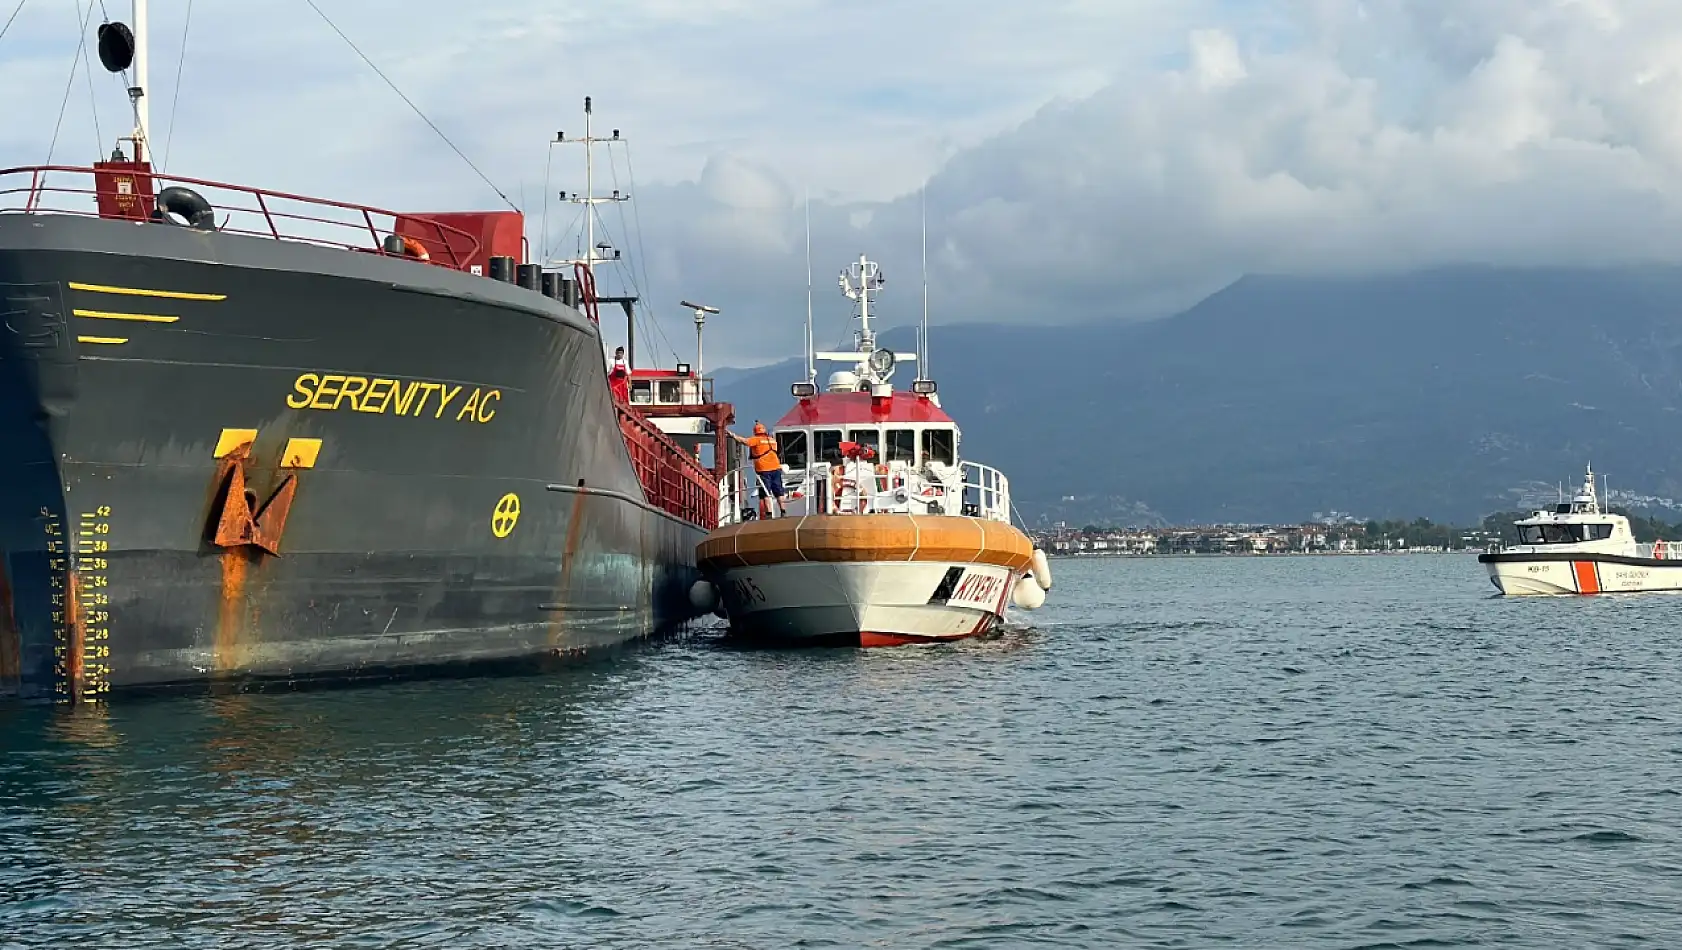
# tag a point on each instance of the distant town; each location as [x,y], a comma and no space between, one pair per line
[1307,538]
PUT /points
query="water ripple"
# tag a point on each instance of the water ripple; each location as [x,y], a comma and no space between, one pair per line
[1304,752]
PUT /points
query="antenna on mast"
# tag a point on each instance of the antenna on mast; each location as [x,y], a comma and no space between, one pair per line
[120,48]
[137,95]
[923,333]
[701,311]
[594,253]
[811,366]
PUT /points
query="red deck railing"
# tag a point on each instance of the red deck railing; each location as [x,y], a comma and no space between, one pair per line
[672,479]
[239,209]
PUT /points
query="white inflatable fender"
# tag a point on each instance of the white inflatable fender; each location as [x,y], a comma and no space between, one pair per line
[1027,594]
[703,596]
[1042,569]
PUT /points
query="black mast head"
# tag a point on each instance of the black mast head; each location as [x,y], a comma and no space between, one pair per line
[116,46]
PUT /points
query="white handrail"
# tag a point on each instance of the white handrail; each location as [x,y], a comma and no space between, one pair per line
[971,490]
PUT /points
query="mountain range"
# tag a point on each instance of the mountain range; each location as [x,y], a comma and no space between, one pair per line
[1445,394]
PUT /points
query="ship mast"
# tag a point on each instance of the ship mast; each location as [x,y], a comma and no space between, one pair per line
[923,331]
[873,367]
[137,92]
[811,366]
[593,253]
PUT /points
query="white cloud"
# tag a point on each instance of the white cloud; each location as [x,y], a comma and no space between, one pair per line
[1091,159]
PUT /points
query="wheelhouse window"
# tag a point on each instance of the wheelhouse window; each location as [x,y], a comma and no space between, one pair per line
[870,437]
[901,446]
[939,446]
[826,445]
[1562,533]
[791,449]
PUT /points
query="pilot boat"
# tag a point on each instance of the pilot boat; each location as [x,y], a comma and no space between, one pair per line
[1581,548]
[886,536]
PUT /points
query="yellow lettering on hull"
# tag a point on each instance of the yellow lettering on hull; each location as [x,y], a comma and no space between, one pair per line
[382,395]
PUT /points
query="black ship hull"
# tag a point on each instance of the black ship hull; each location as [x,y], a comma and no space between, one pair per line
[225,459]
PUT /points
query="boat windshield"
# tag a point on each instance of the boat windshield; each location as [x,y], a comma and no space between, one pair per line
[938,446]
[870,437]
[826,445]
[901,447]
[791,449]
[1562,533]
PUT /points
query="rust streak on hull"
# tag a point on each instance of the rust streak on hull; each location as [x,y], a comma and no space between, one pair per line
[76,628]
[231,610]
[575,523]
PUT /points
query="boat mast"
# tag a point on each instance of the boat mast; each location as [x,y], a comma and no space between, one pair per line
[867,340]
[589,296]
[137,92]
[593,254]
[811,364]
[923,332]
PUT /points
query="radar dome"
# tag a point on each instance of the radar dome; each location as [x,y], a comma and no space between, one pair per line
[843,382]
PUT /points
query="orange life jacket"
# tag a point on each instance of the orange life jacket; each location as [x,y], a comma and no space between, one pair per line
[763,450]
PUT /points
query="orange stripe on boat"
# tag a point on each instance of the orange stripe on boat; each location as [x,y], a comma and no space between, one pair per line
[1588,578]
[851,538]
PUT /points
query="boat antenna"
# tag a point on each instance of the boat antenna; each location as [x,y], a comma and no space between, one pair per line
[923,333]
[701,311]
[137,95]
[593,253]
[122,47]
[811,366]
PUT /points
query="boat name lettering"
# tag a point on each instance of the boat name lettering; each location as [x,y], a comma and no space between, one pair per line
[1631,575]
[402,397]
[977,588]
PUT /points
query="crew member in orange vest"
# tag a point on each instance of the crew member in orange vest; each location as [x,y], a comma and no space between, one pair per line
[619,377]
[767,468]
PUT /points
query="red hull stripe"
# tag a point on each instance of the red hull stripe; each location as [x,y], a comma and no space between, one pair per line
[1588,577]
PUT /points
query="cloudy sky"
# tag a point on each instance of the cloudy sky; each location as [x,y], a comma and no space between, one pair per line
[1080,159]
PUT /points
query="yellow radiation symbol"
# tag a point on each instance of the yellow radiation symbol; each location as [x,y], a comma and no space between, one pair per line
[505,516]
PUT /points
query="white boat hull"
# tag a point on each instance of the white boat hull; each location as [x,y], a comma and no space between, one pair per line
[864,603]
[1518,574]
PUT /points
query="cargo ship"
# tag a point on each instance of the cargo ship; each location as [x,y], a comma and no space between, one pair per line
[253,438]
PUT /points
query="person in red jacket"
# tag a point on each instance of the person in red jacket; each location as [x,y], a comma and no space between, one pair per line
[619,376]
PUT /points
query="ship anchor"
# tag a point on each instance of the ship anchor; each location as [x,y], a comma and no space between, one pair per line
[239,521]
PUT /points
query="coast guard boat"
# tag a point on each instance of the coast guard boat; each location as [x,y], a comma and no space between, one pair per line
[1581,548]
[886,536]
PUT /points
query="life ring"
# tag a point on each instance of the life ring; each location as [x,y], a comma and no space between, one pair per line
[415,249]
[186,204]
[401,245]
[1658,550]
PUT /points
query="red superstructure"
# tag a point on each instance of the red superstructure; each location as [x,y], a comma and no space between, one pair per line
[840,409]
[471,237]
